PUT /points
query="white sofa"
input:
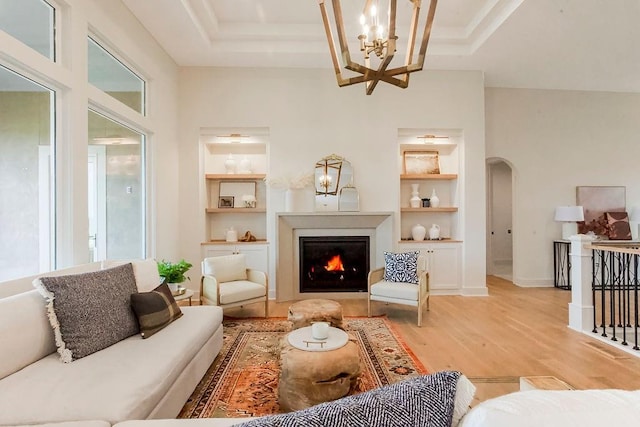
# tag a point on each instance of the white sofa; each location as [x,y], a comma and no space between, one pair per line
[145,383]
[533,408]
[131,380]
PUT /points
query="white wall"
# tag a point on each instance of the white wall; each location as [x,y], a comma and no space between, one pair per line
[309,117]
[557,140]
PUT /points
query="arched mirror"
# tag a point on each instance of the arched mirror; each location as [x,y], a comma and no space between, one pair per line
[332,173]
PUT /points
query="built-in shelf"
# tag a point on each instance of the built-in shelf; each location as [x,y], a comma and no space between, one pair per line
[236,210]
[224,242]
[234,176]
[430,241]
[425,210]
[444,176]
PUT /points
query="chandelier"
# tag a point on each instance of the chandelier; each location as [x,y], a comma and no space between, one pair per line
[378,39]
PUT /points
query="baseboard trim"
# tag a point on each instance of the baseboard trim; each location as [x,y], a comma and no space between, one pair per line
[474,292]
[533,283]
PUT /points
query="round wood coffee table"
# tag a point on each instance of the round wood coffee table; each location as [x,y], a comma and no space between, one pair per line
[308,378]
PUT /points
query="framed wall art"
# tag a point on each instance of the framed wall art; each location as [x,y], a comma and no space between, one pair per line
[596,202]
[421,162]
[225,201]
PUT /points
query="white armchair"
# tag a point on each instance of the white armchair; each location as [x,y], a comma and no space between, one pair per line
[227,282]
[416,295]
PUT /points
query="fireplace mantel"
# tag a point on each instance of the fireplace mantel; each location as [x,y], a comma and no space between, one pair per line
[378,225]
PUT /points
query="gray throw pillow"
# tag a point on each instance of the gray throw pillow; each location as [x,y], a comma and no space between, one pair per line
[425,401]
[90,311]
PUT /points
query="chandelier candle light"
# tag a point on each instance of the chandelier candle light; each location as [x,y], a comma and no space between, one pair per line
[378,39]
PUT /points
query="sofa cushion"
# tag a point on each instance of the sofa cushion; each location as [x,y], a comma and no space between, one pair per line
[427,401]
[155,310]
[240,290]
[226,268]
[25,332]
[90,311]
[401,267]
[145,270]
[402,291]
[122,382]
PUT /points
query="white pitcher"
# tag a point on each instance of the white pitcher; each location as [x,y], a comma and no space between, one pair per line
[434,232]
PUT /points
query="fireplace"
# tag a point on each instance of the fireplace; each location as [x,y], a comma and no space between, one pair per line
[333,263]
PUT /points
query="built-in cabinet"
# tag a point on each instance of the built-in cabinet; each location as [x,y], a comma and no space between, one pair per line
[235,195]
[444,255]
[443,263]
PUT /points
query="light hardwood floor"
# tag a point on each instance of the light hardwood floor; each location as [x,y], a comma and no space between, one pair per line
[495,340]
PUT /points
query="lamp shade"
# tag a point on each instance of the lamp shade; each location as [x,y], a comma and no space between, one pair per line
[569,213]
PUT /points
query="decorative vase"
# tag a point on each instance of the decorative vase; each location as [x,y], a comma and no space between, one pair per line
[415,201]
[231,235]
[434,232]
[230,164]
[245,166]
[418,232]
[434,200]
[173,287]
[294,200]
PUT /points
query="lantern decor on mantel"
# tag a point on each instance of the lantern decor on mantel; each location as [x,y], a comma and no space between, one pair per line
[379,39]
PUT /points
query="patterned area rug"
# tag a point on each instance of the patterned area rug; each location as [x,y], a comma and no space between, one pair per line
[243,379]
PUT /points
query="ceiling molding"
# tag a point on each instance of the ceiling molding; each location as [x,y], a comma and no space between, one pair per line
[193,16]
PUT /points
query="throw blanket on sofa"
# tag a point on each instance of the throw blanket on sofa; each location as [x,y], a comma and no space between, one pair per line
[426,401]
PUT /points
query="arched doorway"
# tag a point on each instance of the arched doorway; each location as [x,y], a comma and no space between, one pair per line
[499,218]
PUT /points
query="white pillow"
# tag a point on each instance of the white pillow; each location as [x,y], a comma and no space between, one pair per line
[145,270]
[465,390]
[227,268]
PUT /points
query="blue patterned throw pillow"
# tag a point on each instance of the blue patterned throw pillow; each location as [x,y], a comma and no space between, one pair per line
[401,267]
[425,401]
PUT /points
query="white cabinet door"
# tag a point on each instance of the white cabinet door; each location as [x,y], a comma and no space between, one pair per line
[443,263]
[256,254]
[444,266]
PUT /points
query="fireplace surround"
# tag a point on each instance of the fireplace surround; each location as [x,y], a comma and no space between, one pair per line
[377,226]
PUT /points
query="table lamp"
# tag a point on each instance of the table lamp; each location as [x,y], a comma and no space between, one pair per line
[569,216]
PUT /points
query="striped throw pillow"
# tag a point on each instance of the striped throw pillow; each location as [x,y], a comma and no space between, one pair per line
[155,310]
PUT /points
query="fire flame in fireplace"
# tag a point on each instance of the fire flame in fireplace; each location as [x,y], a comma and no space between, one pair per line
[334,264]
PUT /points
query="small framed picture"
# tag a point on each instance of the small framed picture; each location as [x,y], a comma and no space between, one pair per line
[421,162]
[225,201]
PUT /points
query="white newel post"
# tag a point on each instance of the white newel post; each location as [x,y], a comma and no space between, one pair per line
[581,305]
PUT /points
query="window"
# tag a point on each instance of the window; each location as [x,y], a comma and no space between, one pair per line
[116,190]
[114,78]
[26,176]
[31,22]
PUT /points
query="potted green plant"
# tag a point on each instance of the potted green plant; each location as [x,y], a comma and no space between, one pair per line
[174,272]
